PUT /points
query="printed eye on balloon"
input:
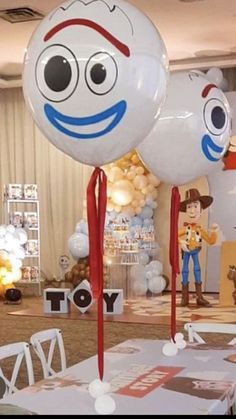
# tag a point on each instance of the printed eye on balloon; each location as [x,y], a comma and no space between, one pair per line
[91,73]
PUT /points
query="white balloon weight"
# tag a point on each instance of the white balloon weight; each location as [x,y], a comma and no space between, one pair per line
[192,133]
[78,245]
[98,388]
[105,405]
[170,349]
[90,68]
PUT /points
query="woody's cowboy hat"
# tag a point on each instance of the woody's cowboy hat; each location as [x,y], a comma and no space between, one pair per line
[192,195]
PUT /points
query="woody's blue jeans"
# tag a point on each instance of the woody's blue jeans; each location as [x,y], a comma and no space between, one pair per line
[196,266]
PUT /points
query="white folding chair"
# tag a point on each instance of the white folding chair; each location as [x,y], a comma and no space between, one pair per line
[21,351]
[193,330]
[53,337]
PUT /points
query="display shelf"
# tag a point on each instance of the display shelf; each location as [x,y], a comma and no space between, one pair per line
[28,208]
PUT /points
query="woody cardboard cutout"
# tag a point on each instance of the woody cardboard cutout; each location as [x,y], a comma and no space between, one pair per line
[191,237]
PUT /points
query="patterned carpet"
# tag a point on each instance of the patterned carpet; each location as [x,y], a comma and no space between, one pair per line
[155,310]
[80,336]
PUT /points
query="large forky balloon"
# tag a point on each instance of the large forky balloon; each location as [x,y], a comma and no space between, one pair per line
[188,141]
[95,77]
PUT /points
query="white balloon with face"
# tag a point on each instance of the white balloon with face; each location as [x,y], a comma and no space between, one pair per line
[192,132]
[95,76]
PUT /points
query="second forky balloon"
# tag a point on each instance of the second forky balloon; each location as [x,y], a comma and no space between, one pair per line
[188,141]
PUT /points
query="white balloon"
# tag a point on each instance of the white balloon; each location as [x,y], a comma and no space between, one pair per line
[19,253]
[181,344]
[156,284]
[149,274]
[78,245]
[22,235]
[82,227]
[215,75]
[137,272]
[9,237]
[170,349]
[192,133]
[91,71]
[179,336]
[98,388]
[155,265]
[140,287]
[143,258]
[105,405]
[10,228]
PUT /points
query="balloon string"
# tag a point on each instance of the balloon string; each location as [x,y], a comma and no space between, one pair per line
[174,254]
[96,212]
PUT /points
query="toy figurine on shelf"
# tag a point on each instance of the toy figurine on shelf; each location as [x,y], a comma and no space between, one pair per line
[190,239]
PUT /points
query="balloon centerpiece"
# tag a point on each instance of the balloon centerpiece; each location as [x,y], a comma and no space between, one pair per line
[12,253]
[88,72]
[188,141]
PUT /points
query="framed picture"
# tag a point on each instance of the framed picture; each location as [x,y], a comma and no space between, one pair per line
[32,248]
[16,219]
[14,191]
[30,191]
[25,273]
[31,220]
[34,273]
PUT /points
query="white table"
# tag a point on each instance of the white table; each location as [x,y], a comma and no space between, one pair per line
[144,381]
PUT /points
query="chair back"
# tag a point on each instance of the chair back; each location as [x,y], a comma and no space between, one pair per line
[20,351]
[54,338]
[193,330]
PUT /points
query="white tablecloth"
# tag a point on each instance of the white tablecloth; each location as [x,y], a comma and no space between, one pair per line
[200,379]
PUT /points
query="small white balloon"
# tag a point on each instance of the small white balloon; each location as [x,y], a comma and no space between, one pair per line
[98,388]
[22,235]
[78,245]
[156,284]
[181,344]
[156,265]
[10,228]
[179,336]
[215,76]
[105,405]
[170,349]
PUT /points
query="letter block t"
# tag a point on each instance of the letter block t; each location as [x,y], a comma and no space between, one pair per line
[55,300]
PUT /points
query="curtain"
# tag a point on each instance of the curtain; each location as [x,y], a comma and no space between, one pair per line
[230,75]
[28,157]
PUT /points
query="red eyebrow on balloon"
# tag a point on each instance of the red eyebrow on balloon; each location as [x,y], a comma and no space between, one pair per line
[89,23]
[207,89]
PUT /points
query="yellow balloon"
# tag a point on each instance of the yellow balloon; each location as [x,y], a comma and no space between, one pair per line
[115,174]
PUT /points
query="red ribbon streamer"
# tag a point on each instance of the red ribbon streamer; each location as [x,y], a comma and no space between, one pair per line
[174,254]
[96,212]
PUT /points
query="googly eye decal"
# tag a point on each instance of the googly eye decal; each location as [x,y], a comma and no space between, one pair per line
[57,73]
[101,73]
